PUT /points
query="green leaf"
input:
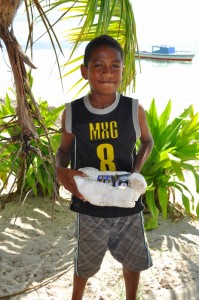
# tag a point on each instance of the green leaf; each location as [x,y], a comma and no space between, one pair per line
[164,117]
[32,184]
[40,178]
[194,172]
[190,127]
[163,199]
[55,143]
[176,164]
[186,203]
[8,105]
[153,221]
[197,210]
[153,116]
[169,136]
[187,112]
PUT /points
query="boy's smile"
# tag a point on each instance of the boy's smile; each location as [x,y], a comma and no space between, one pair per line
[104,71]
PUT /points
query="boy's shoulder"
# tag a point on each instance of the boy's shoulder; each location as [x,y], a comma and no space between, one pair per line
[127,98]
[78,100]
[77,103]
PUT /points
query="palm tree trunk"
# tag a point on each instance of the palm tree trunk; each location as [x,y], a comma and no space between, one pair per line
[18,58]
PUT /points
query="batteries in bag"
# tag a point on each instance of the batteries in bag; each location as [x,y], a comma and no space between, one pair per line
[115,180]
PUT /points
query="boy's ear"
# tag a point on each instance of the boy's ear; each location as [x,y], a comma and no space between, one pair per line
[84,72]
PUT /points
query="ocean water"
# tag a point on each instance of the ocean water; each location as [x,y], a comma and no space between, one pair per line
[156,24]
[168,23]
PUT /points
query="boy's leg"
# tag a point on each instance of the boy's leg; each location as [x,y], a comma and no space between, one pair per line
[79,284]
[128,245]
[92,235]
[131,279]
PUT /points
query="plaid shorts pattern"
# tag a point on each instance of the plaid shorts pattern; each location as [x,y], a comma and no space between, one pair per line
[123,236]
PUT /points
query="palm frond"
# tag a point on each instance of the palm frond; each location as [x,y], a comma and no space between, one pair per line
[93,18]
[41,14]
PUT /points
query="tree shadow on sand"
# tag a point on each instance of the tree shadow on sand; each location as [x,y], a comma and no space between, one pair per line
[34,248]
[176,251]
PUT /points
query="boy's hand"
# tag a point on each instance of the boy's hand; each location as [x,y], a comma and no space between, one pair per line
[65,177]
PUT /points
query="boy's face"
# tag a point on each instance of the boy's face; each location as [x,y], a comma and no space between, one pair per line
[104,71]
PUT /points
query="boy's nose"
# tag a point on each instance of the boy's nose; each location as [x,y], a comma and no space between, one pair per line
[107,70]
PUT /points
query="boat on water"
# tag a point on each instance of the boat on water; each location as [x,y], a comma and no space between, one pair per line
[166,53]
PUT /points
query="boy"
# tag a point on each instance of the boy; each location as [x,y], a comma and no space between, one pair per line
[100,130]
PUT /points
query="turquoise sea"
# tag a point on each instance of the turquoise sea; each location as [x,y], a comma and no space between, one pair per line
[156,24]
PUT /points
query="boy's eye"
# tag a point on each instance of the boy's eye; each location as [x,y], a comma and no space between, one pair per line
[116,66]
[98,66]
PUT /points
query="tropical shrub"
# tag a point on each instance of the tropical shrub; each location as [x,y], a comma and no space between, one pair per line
[176,149]
[28,160]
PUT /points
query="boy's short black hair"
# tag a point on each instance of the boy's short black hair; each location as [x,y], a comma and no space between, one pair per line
[102,40]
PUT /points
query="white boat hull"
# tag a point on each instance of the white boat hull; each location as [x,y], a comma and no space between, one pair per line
[173,57]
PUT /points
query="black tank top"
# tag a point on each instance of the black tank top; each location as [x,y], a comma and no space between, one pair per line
[104,139]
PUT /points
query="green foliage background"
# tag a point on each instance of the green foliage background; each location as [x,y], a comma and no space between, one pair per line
[176,150]
[25,161]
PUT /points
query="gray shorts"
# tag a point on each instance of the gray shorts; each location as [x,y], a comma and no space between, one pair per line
[123,236]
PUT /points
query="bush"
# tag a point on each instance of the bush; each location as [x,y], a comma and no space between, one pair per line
[29,161]
[175,149]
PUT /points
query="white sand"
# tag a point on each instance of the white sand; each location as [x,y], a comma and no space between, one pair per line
[37,253]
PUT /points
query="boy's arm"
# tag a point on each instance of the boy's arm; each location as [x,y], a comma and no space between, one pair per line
[146,140]
[62,159]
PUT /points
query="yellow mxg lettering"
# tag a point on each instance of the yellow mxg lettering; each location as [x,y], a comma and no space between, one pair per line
[103,130]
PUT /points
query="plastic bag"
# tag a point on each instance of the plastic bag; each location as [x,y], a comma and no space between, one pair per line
[102,194]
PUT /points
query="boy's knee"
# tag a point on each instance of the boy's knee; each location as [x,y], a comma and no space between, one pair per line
[87,273]
[131,273]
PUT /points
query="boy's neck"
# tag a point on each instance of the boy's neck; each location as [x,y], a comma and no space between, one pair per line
[101,101]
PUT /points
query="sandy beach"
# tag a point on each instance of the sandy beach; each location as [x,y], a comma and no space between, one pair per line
[36,257]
